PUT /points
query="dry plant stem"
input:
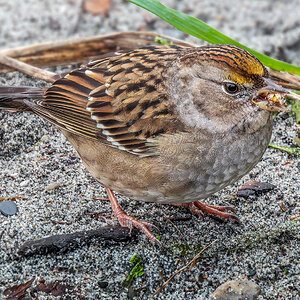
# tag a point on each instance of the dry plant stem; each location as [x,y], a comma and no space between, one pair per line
[285,79]
[190,264]
[294,217]
[78,50]
[177,229]
[28,69]
[294,96]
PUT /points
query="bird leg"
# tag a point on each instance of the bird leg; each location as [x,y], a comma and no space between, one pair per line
[128,221]
[198,208]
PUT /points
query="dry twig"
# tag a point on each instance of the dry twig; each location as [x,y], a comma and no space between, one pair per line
[190,265]
[294,217]
[65,242]
[177,229]
[28,69]
[285,79]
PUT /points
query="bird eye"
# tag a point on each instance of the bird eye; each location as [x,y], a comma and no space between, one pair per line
[230,88]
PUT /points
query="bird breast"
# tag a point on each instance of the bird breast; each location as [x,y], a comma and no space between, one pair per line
[189,166]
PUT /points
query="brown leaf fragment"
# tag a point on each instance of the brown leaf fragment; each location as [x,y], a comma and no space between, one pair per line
[16,292]
[282,207]
[97,7]
[11,198]
[254,188]
[55,288]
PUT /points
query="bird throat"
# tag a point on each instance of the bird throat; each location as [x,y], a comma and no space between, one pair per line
[245,119]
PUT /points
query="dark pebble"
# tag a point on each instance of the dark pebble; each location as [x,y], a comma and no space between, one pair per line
[285,116]
[251,272]
[103,284]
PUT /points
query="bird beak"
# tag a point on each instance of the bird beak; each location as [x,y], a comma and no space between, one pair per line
[271,97]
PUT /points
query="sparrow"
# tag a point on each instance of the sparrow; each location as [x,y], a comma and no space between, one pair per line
[169,125]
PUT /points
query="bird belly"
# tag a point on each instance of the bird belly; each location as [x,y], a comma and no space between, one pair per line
[169,178]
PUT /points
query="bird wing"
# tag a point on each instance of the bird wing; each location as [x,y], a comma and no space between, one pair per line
[119,100]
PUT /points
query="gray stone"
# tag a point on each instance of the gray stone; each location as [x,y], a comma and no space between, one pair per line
[237,290]
[8,208]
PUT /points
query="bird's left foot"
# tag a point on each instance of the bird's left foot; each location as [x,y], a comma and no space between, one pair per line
[198,208]
[130,222]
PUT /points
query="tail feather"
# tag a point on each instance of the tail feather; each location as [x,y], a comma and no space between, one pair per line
[19,98]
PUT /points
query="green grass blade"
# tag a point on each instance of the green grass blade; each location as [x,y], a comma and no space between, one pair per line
[201,30]
[289,150]
[296,109]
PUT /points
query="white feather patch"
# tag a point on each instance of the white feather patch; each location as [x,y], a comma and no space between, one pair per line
[106,132]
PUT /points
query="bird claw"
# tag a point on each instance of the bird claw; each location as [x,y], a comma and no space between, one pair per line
[218,211]
[198,208]
[130,222]
[222,208]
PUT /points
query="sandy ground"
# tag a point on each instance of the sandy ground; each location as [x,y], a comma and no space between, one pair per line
[33,154]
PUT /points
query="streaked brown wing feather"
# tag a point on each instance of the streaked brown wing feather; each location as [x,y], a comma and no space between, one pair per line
[64,104]
[120,100]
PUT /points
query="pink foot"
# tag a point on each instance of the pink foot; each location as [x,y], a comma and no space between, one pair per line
[198,208]
[130,222]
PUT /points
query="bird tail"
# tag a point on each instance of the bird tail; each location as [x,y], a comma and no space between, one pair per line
[15,99]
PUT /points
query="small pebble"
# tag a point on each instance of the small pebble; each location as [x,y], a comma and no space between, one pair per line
[14,175]
[251,272]
[52,186]
[24,183]
[103,284]
[237,290]
[8,208]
